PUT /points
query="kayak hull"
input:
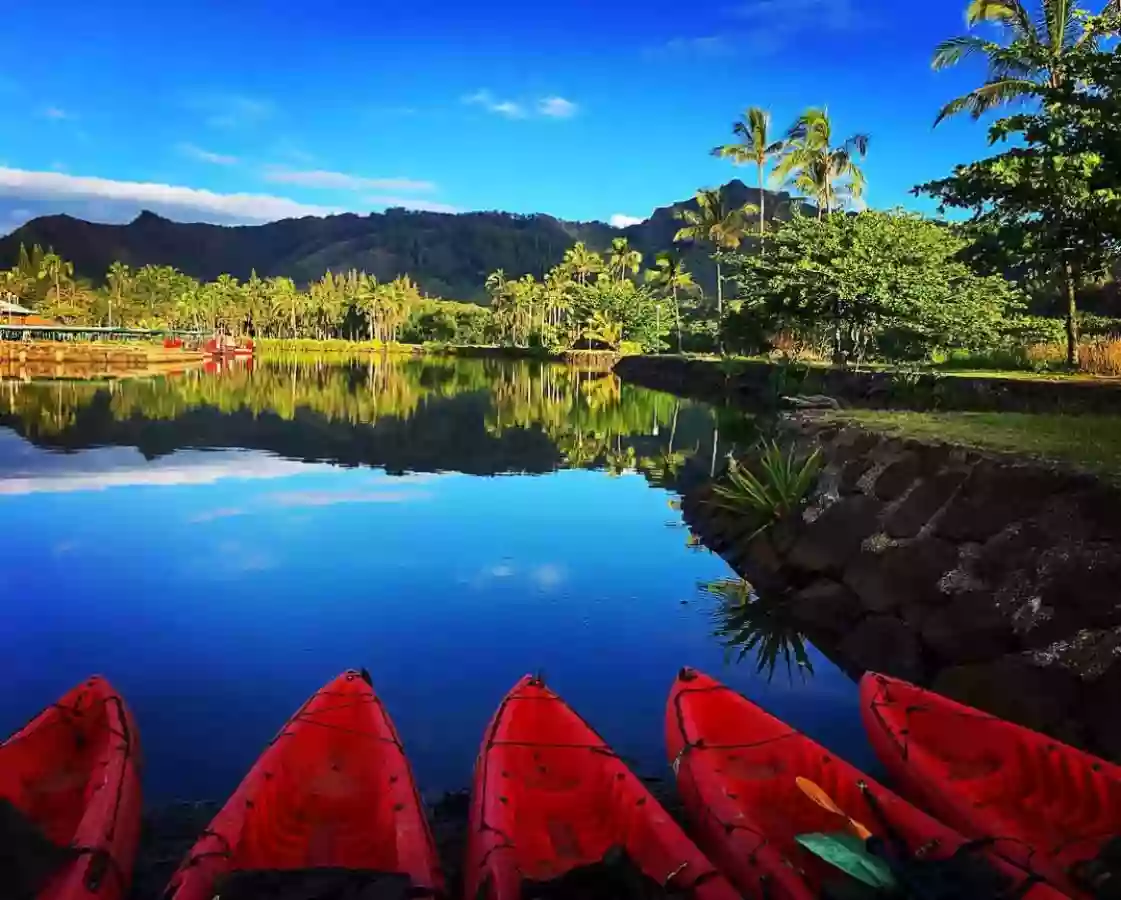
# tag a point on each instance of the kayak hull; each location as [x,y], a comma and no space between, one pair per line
[986,776]
[736,767]
[74,772]
[332,791]
[551,796]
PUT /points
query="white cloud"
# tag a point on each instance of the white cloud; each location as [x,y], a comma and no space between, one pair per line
[218,159]
[772,26]
[77,193]
[343,181]
[704,47]
[619,220]
[500,571]
[557,107]
[388,201]
[230,110]
[57,113]
[487,101]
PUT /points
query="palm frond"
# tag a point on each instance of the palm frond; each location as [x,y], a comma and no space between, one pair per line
[1008,12]
[953,50]
[989,96]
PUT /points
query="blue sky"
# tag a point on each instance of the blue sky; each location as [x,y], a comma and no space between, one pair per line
[255,110]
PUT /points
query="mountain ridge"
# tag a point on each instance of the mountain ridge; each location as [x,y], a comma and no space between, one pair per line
[448,254]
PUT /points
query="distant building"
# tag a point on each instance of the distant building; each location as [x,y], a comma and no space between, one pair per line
[11,313]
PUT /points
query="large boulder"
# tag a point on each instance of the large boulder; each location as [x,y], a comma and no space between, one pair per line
[920,506]
[1015,689]
[827,605]
[883,644]
[994,496]
[970,628]
[829,542]
[897,477]
[901,575]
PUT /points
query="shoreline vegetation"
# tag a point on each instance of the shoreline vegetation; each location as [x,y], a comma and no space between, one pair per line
[835,283]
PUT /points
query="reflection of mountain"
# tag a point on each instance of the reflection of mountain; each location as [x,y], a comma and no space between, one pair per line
[476,416]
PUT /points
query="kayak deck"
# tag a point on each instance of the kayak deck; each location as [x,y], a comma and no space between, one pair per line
[551,797]
[333,791]
[988,777]
[70,784]
[736,769]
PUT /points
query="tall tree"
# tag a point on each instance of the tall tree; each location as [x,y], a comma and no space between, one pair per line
[1031,53]
[812,162]
[669,274]
[120,282]
[718,226]
[623,259]
[583,262]
[754,146]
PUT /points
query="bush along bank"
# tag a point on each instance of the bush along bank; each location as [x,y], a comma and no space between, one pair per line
[990,580]
[753,384]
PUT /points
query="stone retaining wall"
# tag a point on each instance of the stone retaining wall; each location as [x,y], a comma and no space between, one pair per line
[749,384]
[992,581]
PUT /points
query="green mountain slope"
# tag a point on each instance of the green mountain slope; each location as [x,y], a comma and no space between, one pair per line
[448,255]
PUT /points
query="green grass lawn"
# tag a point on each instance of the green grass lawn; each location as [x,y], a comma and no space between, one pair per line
[1088,442]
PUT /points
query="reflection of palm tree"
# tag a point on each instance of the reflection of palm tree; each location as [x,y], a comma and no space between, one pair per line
[620,460]
[746,623]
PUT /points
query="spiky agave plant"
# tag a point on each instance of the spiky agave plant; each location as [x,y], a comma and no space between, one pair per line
[747,623]
[768,490]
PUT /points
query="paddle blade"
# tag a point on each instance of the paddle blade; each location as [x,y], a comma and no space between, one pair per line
[847,853]
[817,794]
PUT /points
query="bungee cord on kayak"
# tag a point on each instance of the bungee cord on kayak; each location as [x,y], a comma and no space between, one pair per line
[331,811]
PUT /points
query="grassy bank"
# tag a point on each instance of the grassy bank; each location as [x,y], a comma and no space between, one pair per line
[1088,442]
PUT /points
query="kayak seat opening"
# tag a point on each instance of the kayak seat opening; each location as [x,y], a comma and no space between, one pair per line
[317,884]
[28,857]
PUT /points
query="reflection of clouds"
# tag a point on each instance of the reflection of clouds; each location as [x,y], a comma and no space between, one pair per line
[548,576]
[63,548]
[330,498]
[110,467]
[222,512]
[545,577]
[232,559]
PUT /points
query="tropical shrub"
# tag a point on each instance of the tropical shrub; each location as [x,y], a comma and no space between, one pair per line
[768,488]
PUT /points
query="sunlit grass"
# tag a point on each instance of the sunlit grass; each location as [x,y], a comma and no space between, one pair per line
[1089,442]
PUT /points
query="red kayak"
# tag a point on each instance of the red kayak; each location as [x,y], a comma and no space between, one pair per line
[1058,806]
[70,799]
[553,807]
[330,806]
[736,767]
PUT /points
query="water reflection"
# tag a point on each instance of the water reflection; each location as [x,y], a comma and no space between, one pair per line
[478,416]
[749,625]
[220,544]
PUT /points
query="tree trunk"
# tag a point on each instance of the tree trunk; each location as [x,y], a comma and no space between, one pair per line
[719,309]
[677,317]
[1072,315]
[762,220]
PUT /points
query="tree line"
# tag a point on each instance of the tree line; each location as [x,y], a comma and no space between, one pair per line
[1043,232]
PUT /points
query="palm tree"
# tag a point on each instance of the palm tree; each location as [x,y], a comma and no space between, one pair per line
[583,262]
[623,259]
[119,279]
[813,162]
[1031,55]
[723,229]
[56,269]
[669,274]
[754,146]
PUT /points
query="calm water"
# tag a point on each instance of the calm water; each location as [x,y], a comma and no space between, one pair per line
[221,544]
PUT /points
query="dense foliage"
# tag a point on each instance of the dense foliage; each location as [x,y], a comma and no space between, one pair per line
[876,284]
[828,279]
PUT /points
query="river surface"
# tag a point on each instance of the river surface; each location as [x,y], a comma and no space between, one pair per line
[220,544]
